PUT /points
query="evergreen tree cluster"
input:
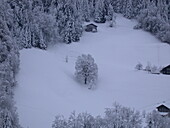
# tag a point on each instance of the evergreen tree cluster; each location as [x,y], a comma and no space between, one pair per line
[9,66]
[40,23]
[156,19]
[152,15]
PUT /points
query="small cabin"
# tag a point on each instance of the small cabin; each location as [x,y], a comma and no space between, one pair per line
[163,110]
[91,28]
[166,70]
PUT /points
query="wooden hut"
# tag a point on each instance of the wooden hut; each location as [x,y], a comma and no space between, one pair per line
[91,28]
[163,110]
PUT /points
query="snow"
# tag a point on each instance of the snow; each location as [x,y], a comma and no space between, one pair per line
[47,86]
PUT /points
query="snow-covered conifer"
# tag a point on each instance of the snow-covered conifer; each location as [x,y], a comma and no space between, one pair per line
[100,14]
[69,23]
[129,10]
[85,10]
[110,13]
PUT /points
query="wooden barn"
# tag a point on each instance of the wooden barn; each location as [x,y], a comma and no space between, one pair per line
[91,28]
[166,70]
[163,110]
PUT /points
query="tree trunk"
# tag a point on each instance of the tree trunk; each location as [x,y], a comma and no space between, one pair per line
[85,80]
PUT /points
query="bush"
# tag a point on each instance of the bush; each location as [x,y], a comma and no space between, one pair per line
[148,67]
[139,66]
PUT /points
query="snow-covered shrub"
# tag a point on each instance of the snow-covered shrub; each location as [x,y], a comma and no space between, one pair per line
[154,70]
[139,66]
[111,16]
[148,67]
[113,21]
[138,26]
[155,120]
[86,70]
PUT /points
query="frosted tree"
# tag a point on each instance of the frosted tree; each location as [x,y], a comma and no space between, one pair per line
[153,18]
[120,4]
[9,63]
[139,66]
[85,120]
[5,119]
[85,10]
[75,121]
[8,114]
[110,12]
[59,122]
[33,23]
[155,120]
[48,28]
[129,10]
[86,70]
[119,116]
[155,70]
[42,44]
[92,7]
[138,5]
[111,16]
[100,14]
[148,67]
[99,122]
[69,23]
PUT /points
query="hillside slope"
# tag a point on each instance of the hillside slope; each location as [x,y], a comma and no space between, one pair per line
[47,87]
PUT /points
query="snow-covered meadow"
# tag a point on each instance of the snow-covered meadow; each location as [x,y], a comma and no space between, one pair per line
[47,86]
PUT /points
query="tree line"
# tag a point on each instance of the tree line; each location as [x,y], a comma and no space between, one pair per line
[9,66]
[114,117]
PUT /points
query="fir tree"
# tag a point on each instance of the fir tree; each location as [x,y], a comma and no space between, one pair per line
[100,15]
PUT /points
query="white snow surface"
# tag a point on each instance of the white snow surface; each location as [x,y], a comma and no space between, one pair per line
[47,85]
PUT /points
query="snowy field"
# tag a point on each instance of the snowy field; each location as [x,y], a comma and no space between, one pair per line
[47,87]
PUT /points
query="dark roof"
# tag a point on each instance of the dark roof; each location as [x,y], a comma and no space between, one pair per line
[91,25]
[162,106]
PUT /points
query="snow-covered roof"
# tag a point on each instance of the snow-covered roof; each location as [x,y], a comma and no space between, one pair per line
[91,25]
[167,66]
[164,104]
[163,113]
